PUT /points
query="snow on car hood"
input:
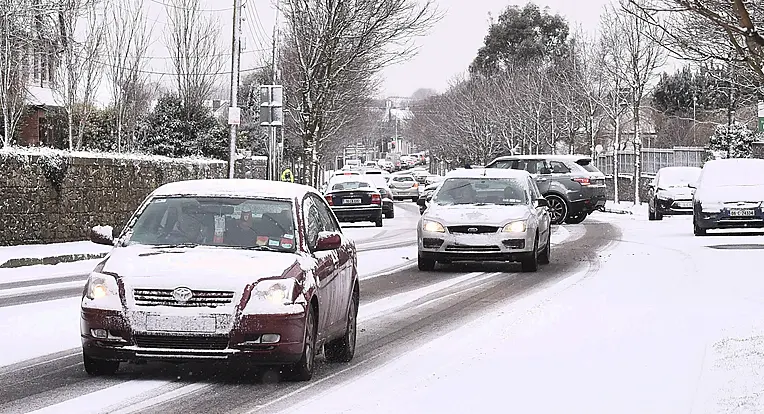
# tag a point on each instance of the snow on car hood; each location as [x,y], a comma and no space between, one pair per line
[196,267]
[684,193]
[731,193]
[491,214]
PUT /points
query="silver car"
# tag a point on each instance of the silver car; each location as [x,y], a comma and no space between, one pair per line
[404,186]
[485,215]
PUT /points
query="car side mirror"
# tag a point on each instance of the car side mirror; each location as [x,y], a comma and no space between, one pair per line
[542,202]
[102,235]
[328,240]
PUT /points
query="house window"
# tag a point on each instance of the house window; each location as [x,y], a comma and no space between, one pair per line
[44,67]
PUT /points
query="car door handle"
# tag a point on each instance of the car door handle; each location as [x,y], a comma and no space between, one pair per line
[541,179]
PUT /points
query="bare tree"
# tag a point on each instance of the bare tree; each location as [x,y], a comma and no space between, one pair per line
[706,30]
[634,64]
[127,40]
[193,40]
[79,71]
[14,64]
[337,44]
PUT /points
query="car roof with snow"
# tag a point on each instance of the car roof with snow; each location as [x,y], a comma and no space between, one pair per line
[487,173]
[247,188]
[735,163]
[569,157]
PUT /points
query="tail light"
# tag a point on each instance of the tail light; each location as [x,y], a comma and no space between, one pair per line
[329,199]
[416,184]
[582,181]
[376,199]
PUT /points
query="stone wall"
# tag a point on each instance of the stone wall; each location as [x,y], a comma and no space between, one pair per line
[626,187]
[51,196]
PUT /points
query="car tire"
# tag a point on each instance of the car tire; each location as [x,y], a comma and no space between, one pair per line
[658,215]
[697,230]
[98,367]
[303,369]
[558,208]
[577,219]
[531,262]
[546,254]
[343,349]
[425,265]
[390,214]
[378,222]
[650,214]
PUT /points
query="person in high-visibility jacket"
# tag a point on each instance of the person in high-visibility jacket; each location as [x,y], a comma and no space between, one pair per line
[287,176]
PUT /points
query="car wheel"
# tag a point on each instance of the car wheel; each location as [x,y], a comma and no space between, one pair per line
[96,367]
[303,370]
[391,214]
[697,230]
[558,208]
[658,215]
[650,213]
[425,265]
[546,254]
[378,222]
[577,219]
[343,349]
[531,263]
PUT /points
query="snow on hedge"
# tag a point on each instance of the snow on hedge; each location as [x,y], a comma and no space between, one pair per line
[56,153]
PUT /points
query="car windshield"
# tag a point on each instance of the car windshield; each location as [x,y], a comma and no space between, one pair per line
[678,177]
[738,174]
[481,190]
[220,221]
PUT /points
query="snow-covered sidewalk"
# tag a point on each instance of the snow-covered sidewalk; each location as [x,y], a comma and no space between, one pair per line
[626,207]
[49,254]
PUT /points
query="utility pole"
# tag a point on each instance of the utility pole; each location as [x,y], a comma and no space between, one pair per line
[234,112]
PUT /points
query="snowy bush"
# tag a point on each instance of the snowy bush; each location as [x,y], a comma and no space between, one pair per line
[733,141]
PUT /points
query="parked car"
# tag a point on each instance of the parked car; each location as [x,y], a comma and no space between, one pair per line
[354,198]
[669,193]
[248,270]
[388,209]
[729,194]
[573,186]
[404,186]
[486,215]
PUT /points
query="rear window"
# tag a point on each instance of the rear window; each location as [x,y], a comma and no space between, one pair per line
[350,185]
[501,164]
[586,163]
[404,178]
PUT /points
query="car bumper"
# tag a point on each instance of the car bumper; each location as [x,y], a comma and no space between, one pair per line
[357,213]
[670,207]
[722,220]
[243,341]
[508,247]
[414,192]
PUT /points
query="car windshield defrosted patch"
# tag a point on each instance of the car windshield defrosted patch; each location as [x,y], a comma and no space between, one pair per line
[481,190]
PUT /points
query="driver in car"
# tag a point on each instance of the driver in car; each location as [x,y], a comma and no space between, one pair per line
[463,194]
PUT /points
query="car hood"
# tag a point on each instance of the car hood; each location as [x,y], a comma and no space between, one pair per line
[198,267]
[677,193]
[753,193]
[491,214]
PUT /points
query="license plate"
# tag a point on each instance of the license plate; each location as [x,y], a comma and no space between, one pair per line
[158,323]
[741,213]
[352,201]
[684,204]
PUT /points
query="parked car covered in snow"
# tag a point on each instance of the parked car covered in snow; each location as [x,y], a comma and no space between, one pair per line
[223,269]
[670,193]
[729,194]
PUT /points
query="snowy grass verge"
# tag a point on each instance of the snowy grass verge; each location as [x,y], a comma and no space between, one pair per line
[52,152]
[625,207]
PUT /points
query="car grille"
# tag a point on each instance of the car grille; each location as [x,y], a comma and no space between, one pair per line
[199,298]
[477,229]
[181,342]
[465,248]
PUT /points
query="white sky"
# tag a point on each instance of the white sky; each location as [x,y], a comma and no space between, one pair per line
[446,52]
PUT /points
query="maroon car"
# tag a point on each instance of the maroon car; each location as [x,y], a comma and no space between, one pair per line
[219,270]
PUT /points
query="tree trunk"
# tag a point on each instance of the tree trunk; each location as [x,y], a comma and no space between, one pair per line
[637,154]
[616,146]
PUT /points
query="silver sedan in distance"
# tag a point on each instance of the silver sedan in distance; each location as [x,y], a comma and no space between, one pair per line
[485,215]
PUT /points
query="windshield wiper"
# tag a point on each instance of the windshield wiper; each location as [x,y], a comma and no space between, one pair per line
[173,246]
[261,248]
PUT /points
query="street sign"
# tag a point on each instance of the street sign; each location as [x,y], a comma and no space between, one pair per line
[234,115]
[761,116]
[271,105]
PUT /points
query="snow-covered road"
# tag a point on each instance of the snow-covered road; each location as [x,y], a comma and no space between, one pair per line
[632,316]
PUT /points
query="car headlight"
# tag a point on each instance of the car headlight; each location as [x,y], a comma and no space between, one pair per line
[272,296]
[515,227]
[711,207]
[433,226]
[102,292]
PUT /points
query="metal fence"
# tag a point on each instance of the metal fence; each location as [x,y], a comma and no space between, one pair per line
[653,159]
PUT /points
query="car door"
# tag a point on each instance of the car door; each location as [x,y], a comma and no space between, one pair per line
[343,281]
[326,264]
[544,218]
[538,169]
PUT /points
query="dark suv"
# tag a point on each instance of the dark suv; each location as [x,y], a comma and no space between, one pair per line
[571,183]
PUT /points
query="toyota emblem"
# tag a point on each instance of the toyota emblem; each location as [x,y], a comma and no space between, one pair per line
[182,294]
[472,229]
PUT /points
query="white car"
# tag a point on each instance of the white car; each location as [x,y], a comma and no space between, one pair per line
[485,215]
